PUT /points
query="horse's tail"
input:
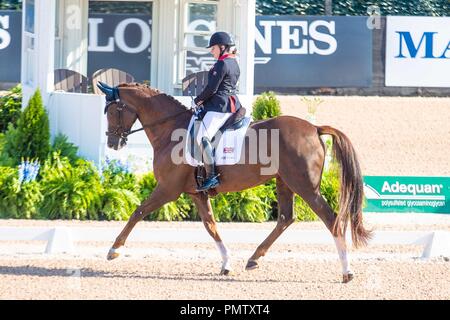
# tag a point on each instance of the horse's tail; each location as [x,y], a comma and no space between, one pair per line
[351,191]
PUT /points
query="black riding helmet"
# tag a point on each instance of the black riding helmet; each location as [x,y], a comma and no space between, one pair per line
[221,38]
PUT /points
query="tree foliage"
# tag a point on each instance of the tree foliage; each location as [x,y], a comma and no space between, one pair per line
[10,4]
[31,137]
[354,7]
[10,107]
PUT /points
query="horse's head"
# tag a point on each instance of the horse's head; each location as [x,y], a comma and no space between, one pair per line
[120,116]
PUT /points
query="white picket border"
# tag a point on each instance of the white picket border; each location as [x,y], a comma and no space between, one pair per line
[61,239]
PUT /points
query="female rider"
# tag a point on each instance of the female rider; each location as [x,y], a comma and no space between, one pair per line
[218,101]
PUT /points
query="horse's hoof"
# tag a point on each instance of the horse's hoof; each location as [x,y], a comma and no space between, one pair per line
[112,254]
[226,272]
[347,277]
[251,265]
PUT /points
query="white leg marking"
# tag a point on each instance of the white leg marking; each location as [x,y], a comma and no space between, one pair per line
[342,252]
[226,264]
[118,251]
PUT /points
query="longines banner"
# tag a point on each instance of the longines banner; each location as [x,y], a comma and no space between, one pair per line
[115,40]
[120,41]
[313,51]
[10,45]
[407,194]
[418,51]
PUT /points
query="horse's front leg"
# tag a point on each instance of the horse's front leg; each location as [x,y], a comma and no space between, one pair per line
[158,198]
[206,213]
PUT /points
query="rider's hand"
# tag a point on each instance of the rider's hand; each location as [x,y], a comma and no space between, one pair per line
[197,108]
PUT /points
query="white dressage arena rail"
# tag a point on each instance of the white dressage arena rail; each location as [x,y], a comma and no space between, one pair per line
[62,239]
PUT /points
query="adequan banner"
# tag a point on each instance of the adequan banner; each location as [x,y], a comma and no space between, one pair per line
[407,194]
[418,51]
[313,51]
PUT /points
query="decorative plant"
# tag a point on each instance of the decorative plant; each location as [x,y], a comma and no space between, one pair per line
[251,205]
[20,194]
[71,192]
[64,148]
[28,170]
[329,188]
[10,108]
[31,137]
[266,106]
[312,105]
[177,210]
[118,203]
[120,190]
[117,174]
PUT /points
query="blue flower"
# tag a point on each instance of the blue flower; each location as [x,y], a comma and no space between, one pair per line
[115,166]
[28,170]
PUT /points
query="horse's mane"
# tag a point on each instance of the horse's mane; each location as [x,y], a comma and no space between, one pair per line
[152,92]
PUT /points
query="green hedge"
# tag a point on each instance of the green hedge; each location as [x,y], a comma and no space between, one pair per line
[18,199]
[10,108]
[10,4]
[71,192]
[178,210]
[81,191]
[296,7]
[354,7]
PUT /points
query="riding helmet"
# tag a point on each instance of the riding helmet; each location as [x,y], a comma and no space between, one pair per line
[221,38]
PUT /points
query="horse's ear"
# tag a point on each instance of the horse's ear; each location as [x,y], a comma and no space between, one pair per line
[107,90]
[104,85]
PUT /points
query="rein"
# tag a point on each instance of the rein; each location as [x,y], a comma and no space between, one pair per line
[124,134]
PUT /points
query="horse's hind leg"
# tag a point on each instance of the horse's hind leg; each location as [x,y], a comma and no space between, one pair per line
[318,204]
[206,214]
[323,210]
[285,219]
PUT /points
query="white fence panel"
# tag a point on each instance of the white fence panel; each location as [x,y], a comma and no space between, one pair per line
[61,239]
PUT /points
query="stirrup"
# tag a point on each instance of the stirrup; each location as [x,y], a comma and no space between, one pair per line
[210,183]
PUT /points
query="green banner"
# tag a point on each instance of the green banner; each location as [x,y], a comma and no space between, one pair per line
[407,194]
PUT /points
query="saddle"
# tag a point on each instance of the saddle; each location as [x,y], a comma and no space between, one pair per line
[234,122]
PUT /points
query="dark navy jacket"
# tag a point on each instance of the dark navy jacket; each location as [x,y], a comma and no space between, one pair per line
[220,93]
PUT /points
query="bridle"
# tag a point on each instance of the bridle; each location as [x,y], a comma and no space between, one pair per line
[120,131]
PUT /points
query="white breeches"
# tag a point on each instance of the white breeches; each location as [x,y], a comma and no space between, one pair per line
[211,124]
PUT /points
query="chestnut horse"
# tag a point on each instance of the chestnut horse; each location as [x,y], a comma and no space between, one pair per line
[299,170]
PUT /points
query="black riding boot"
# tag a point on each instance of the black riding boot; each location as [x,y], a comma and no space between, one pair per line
[212,179]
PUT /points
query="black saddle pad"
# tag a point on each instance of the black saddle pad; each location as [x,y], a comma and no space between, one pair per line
[235,119]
